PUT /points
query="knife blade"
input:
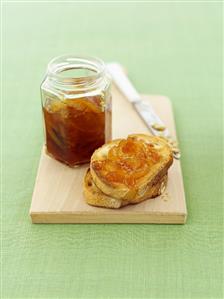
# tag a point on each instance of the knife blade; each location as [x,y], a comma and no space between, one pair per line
[144,109]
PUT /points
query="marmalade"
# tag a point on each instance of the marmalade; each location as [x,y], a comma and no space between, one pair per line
[76,103]
[127,162]
[74,129]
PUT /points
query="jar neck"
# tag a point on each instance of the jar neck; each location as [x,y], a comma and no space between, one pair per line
[79,73]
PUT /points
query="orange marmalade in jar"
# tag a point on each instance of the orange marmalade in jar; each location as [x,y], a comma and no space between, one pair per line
[76,103]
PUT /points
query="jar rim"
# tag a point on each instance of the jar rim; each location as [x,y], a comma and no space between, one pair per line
[62,63]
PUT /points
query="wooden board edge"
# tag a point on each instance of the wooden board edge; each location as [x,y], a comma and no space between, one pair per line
[77,218]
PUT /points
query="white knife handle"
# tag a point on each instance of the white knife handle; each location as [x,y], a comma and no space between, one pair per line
[122,82]
[144,109]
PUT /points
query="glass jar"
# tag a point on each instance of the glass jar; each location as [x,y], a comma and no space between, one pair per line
[76,103]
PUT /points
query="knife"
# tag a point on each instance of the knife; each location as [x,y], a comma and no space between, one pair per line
[144,109]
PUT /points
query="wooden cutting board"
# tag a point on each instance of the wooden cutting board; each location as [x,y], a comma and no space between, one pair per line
[58,197]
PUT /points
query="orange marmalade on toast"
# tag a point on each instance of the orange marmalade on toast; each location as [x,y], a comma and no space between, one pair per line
[127,162]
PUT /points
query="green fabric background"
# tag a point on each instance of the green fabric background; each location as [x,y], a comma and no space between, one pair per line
[169,48]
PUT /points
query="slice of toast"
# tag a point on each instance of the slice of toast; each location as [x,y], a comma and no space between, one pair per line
[95,197]
[127,169]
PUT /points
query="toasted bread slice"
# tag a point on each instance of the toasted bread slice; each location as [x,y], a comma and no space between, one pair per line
[127,169]
[95,197]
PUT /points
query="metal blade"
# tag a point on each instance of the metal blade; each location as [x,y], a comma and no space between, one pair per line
[151,119]
[144,109]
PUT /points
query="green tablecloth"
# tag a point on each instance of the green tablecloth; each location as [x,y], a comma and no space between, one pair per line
[167,48]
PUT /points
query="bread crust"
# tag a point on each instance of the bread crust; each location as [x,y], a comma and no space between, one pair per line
[95,197]
[144,185]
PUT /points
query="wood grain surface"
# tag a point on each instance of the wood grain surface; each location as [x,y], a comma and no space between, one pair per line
[58,195]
